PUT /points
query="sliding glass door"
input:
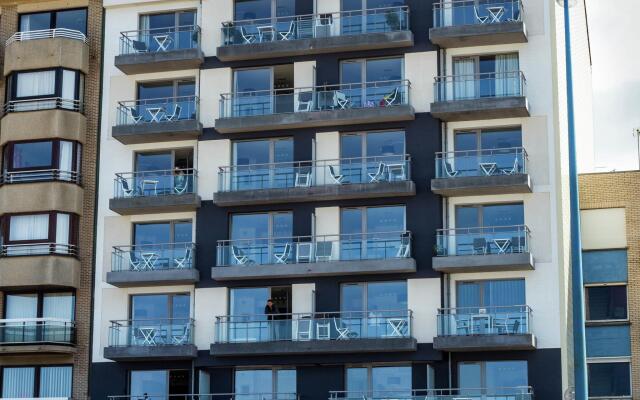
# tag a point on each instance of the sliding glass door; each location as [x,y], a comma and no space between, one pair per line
[486,76]
[362,154]
[253,164]
[371,232]
[261,236]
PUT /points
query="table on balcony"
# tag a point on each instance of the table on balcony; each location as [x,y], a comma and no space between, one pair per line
[398,326]
[488,168]
[495,12]
[502,244]
[163,41]
[266,29]
[148,335]
[149,260]
[156,113]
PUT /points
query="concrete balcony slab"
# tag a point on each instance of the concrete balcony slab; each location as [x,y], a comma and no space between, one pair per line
[154,204]
[481,185]
[479,34]
[124,279]
[31,349]
[143,353]
[312,119]
[315,193]
[481,109]
[386,345]
[43,124]
[44,271]
[41,196]
[485,342]
[157,132]
[484,263]
[311,270]
[154,61]
[289,48]
[51,52]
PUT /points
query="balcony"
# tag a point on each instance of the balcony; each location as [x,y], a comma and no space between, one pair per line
[484,329]
[480,96]
[47,48]
[214,396]
[162,49]
[462,23]
[149,192]
[314,256]
[321,106]
[153,265]
[503,393]
[483,249]
[157,120]
[37,335]
[303,181]
[338,332]
[139,340]
[41,190]
[378,28]
[481,172]
[39,265]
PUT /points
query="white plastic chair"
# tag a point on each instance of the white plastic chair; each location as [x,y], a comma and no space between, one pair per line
[175,116]
[448,169]
[339,179]
[343,332]
[133,263]
[134,115]
[126,190]
[240,258]
[481,19]
[305,101]
[183,337]
[288,34]
[303,179]
[184,261]
[391,97]
[340,100]
[379,175]
[248,38]
[283,257]
[324,251]
[511,171]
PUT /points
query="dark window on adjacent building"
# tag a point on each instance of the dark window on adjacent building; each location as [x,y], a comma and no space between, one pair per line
[610,379]
[606,302]
[75,19]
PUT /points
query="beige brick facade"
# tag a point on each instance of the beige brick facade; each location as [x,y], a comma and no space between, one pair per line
[620,190]
[10,10]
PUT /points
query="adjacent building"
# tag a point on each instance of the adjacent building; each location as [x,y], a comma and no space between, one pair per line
[610,221]
[390,174]
[51,60]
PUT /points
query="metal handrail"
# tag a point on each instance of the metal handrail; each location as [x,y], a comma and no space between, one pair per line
[441,154]
[31,249]
[442,6]
[128,39]
[151,332]
[46,103]
[421,394]
[39,175]
[127,322]
[200,396]
[485,229]
[37,330]
[484,320]
[486,309]
[318,88]
[478,75]
[153,257]
[133,112]
[47,34]
[161,182]
[307,16]
[312,315]
[481,162]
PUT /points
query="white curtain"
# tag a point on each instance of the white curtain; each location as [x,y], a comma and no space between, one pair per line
[18,382]
[464,79]
[66,160]
[21,306]
[58,305]
[507,75]
[55,381]
[29,227]
[41,83]
[68,84]
[62,232]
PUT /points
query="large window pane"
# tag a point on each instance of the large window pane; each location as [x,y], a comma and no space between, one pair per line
[145,234]
[254,382]
[68,84]
[606,302]
[183,232]
[35,22]
[153,161]
[155,90]
[503,215]
[32,155]
[352,297]
[357,380]
[506,374]
[286,381]
[150,307]
[608,341]
[385,219]
[609,379]
[58,305]
[249,301]
[149,382]
[55,381]
[498,293]
[501,139]
[29,227]
[249,226]
[391,381]
[72,19]
[385,144]
[386,69]
[18,382]
[21,306]
[604,266]
[386,296]
[40,83]
[252,9]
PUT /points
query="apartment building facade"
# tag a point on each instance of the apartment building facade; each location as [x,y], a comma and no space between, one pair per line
[332,199]
[610,262]
[51,52]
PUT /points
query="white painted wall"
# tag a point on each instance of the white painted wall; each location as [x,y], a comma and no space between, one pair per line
[214,154]
[327,220]
[421,69]
[423,298]
[209,304]
[604,228]
[302,298]
[327,148]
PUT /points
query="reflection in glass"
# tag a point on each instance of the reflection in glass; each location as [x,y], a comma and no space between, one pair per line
[260,236]
[249,154]
[367,232]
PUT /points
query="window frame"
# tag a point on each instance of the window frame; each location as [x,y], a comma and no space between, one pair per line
[76,156]
[5,228]
[171,152]
[476,60]
[174,83]
[364,135]
[170,297]
[363,67]
[365,291]
[483,370]
[272,149]
[172,223]
[270,214]
[176,17]
[40,299]
[480,206]
[363,214]
[168,370]
[482,287]
[12,85]
[613,360]
[605,321]
[37,374]
[274,375]
[54,17]
[480,131]
[370,366]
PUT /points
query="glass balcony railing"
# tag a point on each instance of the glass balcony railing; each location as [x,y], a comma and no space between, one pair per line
[37,330]
[158,111]
[155,183]
[216,396]
[311,249]
[489,162]
[483,241]
[478,86]
[320,98]
[392,168]
[38,249]
[466,321]
[160,40]
[153,257]
[348,325]
[49,103]
[476,12]
[498,393]
[41,175]
[345,23]
[151,332]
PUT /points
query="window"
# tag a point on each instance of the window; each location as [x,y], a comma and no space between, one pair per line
[169,30]
[263,91]
[45,89]
[486,76]
[154,233]
[160,307]
[31,382]
[253,384]
[497,293]
[362,153]
[42,160]
[371,232]
[247,310]
[158,382]
[355,22]
[29,234]
[604,266]
[167,172]
[256,9]
[606,303]
[261,236]
[54,309]
[499,146]
[167,100]
[490,215]
[159,245]
[367,82]
[375,309]
[379,381]
[249,154]
[609,379]
[507,377]
[75,19]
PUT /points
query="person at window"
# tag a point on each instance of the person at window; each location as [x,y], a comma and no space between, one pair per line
[272,311]
[179,180]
